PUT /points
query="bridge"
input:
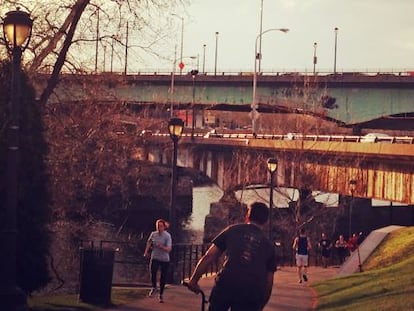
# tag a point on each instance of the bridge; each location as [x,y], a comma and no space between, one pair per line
[383,171]
[358,100]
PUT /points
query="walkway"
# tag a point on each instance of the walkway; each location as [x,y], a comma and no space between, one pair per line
[287,294]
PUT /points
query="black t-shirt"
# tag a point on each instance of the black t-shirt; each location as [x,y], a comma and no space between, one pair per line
[249,258]
[325,245]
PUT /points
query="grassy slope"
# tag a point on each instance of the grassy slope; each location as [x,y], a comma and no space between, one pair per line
[387,282]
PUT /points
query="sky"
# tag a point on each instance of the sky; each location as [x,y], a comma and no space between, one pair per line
[373,35]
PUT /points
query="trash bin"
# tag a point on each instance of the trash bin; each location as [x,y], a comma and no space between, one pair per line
[96,269]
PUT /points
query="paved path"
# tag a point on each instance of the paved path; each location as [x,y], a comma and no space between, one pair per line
[287,295]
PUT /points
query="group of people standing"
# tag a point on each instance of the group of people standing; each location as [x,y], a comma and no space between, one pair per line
[341,248]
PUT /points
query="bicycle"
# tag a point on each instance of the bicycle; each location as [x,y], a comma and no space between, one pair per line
[204,301]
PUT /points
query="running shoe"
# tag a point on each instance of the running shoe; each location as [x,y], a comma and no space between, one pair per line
[152,292]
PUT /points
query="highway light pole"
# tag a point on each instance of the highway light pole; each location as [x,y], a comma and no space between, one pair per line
[260,31]
[17,29]
[204,58]
[315,59]
[272,167]
[216,51]
[257,57]
[336,45]
[182,41]
[193,121]
[172,90]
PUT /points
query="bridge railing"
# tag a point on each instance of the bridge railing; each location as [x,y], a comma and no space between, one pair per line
[298,136]
[273,72]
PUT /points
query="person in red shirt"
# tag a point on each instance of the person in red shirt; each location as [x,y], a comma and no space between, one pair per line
[353,243]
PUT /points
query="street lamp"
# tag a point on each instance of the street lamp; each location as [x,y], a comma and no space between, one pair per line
[17,29]
[315,59]
[258,56]
[172,90]
[215,57]
[175,128]
[204,58]
[260,31]
[336,44]
[182,41]
[272,167]
[194,73]
[352,187]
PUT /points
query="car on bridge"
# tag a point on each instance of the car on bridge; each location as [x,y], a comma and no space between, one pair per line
[376,138]
[293,136]
[145,133]
[213,133]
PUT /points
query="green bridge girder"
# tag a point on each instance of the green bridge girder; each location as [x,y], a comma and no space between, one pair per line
[350,99]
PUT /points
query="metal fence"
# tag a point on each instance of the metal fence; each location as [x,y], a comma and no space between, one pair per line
[130,267]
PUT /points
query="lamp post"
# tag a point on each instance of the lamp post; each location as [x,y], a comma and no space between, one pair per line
[260,31]
[126,49]
[204,58]
[97,40]
[315,59]
[112,52]
[215,57]
[258,56]
[175,129]
[194,73]
[172,90]
[17,28]
[352,187]
[272,167]
[182,41]
[336,44]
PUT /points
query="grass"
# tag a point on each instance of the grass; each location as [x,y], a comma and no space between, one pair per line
[119,296]
[387,282]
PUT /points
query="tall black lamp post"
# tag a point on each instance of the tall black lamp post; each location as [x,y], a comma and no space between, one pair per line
[272,167]
[17,28]
[352,187]
[175,128]
[194,73]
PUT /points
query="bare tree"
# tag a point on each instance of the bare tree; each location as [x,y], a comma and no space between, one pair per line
[67,35]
